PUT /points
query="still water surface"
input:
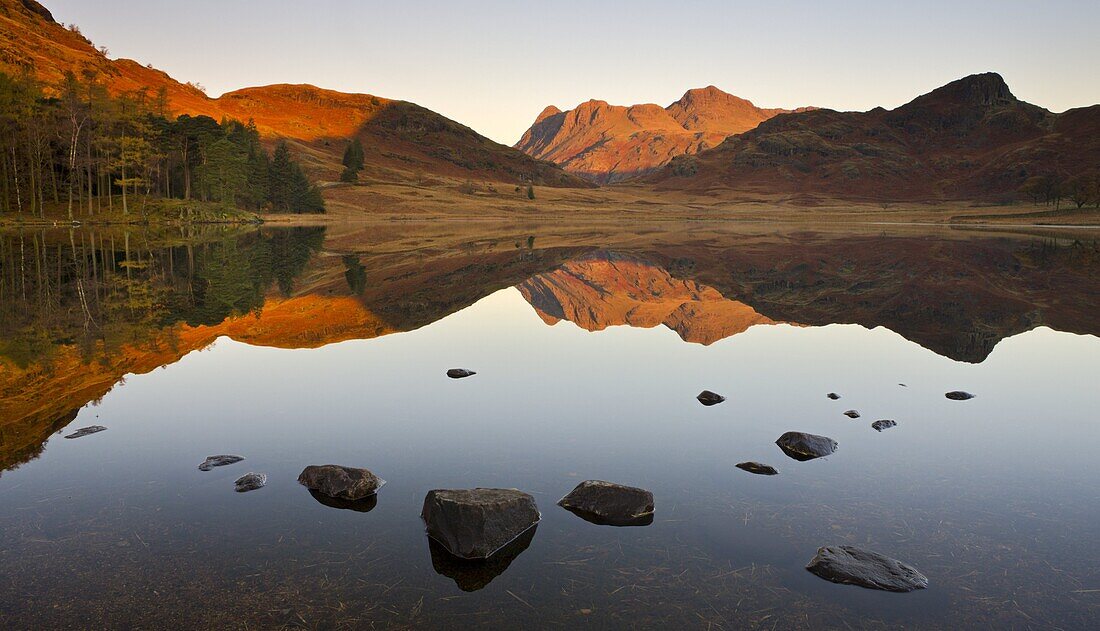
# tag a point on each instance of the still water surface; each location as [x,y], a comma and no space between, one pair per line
[587,369]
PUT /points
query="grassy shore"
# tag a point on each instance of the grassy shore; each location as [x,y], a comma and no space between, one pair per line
[441,198]
[151,211]
[454,199]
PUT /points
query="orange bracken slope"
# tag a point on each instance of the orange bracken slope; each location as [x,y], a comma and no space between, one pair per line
[398,135]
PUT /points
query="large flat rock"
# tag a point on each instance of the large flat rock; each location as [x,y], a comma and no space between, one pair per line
[475,523]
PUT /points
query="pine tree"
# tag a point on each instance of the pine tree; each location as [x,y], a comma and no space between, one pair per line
[353,156]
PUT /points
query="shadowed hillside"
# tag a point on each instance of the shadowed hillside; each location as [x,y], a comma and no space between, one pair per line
[970,139]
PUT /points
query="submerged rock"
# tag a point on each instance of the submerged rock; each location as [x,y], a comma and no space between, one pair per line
[883,424]
[610,504]
[364,505]
[219,461]
[959,395]
[801,446]
[87,431]
[475,523]
[460,373]
[757,468]
[473,574]
[855,566]
[341,482]
[852,414]
[708,398]
[834,396]
[250,482]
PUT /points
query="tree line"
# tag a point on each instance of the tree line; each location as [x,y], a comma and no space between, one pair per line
[1052,188]
[86,151]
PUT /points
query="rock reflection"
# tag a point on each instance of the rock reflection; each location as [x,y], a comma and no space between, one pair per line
[472,575]
[364,505]
[592,518]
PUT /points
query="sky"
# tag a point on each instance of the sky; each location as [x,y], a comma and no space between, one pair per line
[495,64]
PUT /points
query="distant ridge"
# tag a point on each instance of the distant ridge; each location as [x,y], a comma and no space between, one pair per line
[970,139]
[609,143]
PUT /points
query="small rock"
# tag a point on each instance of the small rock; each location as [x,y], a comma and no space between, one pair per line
[475,523]
[834,396]
[801,446]
[958,395]
[460,373]
[340,482]
[87,431]
[883,424]
[610,504]
[708,398]
[852,414]
[250,482]
[855,566]
[219,461]
[757,468]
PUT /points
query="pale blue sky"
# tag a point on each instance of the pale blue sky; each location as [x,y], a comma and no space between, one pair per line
[494,64]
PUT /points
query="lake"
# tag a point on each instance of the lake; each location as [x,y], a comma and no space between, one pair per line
[315,345]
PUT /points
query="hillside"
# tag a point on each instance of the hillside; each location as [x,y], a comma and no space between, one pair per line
[970,139]
[401,138]
[609,143]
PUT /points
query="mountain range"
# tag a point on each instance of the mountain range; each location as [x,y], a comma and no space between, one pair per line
[609,143]
[970,140]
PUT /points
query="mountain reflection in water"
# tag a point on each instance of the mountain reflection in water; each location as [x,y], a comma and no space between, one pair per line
[983,496]
[81,309]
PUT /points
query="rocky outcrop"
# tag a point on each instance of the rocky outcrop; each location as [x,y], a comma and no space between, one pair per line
[475,523]
[885,423]
[855,566]
[959,395]
[460,373]
[609,143]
